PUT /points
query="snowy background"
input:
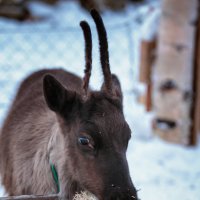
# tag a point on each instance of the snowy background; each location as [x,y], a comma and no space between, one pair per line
[161,171]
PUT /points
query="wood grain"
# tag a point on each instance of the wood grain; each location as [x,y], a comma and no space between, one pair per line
[31,197]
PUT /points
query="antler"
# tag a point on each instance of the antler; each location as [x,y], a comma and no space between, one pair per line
[104,54]
[88,55]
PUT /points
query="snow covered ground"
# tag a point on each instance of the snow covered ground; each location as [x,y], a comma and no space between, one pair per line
[161,171]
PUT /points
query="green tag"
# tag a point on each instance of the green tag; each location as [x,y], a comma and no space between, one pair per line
[55,176]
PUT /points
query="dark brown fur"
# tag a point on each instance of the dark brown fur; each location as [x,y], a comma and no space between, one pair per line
[85,138]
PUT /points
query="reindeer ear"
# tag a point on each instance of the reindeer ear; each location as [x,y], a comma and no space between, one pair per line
[58,98]
[116,88]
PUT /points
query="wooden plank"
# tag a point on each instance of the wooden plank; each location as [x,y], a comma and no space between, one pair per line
[196,86]
[149,97]
[146,60]
[180,12]
[31,197]
[173,72]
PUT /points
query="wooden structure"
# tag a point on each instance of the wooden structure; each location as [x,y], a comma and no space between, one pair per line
[17,11]
[196,85]
[146,63]
[31,197]
[173,72]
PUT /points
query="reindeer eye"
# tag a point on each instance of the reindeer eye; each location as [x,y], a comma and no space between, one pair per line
[83,140]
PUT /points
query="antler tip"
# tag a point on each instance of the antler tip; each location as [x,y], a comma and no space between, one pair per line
[94,13]
[84,24]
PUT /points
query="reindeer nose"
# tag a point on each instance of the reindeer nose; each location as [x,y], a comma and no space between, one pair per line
[119,193]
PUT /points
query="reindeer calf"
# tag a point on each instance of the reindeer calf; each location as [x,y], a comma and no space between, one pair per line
[56,120]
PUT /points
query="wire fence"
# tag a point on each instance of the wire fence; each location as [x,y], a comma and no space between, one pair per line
[24,50]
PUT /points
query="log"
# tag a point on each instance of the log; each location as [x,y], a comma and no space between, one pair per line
[173,72]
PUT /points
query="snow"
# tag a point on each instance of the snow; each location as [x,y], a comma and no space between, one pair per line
[166,171]
[161,171]
[150,27]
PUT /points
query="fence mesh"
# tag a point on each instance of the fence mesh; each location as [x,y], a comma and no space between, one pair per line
[26,48]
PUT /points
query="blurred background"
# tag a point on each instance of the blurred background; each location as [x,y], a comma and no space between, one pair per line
[154,49]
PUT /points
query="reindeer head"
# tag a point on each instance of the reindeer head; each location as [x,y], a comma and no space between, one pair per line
[95,131]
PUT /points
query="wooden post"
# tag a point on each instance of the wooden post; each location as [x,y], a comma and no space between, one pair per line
[196,84]
[31,197]
[173,72]
[146,63]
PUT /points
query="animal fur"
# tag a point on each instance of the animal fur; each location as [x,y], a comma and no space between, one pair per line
[56,118]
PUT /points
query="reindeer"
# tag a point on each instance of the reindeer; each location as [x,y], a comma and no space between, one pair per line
[57,120]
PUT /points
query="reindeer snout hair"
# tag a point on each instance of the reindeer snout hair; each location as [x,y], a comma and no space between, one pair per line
[84,196]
